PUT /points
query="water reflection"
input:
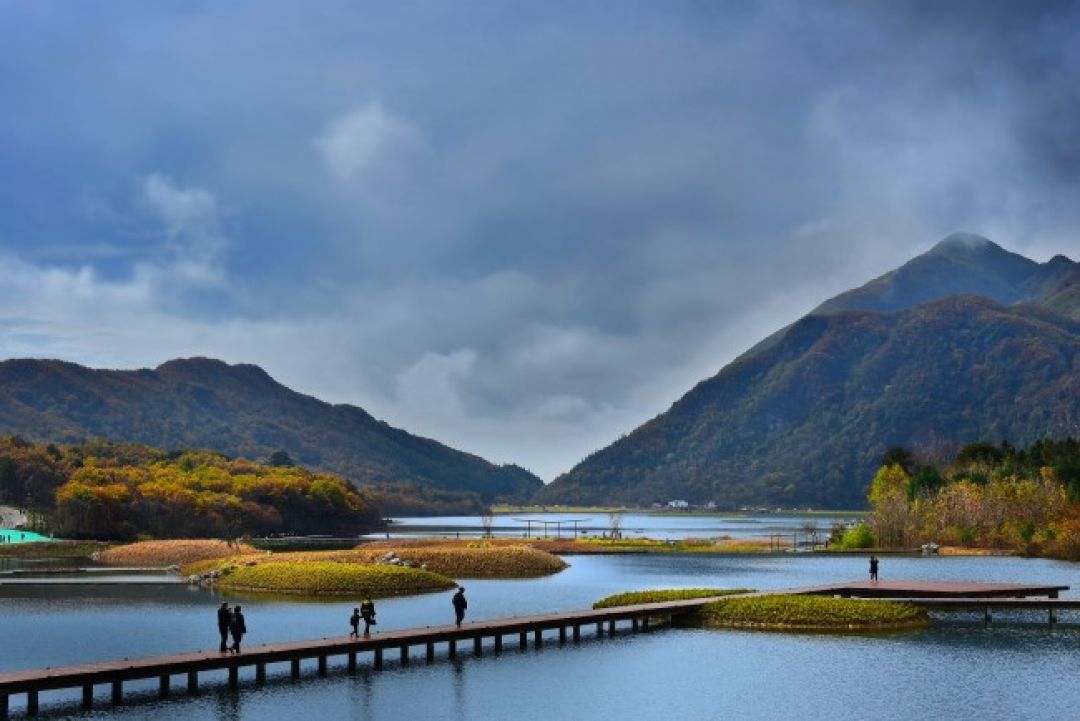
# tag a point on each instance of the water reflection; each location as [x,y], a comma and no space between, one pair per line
[1018,668]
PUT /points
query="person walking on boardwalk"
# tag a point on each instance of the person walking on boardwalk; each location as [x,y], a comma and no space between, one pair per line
[224,622]
[238,629]
[460,604]
[873,567]
[354,621]
[367,612]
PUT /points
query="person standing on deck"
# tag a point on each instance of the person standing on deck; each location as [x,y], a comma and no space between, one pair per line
[873,567]
[460,604]
[367,612]
[354,621]
[238,629]
[224,622]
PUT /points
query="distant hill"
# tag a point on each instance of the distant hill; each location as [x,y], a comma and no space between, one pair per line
[239,410]
[805,416]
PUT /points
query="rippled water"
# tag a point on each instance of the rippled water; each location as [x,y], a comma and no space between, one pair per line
[1018,668]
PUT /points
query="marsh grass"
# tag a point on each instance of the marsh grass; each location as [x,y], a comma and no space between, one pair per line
[632,598]
[454,559]
[812,613]
[52,549]
[160,554]
[332,578]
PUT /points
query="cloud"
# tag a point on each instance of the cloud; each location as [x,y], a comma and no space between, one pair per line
[533,231]
[192,225]
[366,142]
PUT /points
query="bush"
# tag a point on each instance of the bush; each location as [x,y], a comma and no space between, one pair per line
[858,537]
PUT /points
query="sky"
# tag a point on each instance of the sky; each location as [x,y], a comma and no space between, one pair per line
[521,229]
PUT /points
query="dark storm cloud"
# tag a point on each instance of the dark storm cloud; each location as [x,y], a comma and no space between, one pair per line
[519,229]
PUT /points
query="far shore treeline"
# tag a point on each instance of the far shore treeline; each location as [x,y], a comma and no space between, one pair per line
[123,490]
[989,496]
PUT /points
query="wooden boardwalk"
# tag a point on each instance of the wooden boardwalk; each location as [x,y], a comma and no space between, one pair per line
[931,589]
[569,625]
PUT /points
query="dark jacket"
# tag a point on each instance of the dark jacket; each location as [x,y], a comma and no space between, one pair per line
[367,609]
[238,626]
[224,619]
[459,602]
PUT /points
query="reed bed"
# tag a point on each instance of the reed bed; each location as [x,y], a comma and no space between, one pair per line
[162,554]
[456,560]
[321,578]
[632,598]
[810,613]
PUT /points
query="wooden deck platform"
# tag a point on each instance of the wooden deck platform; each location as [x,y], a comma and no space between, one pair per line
[569,625]
[931,589]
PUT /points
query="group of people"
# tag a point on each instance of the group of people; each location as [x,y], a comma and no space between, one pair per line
[231,622]
[366,611]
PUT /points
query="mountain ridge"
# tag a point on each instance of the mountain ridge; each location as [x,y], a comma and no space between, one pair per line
[804,416]
[239,410]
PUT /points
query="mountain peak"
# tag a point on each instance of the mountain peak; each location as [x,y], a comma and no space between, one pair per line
[967,242]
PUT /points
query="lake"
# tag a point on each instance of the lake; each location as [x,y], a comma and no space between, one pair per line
[1016,669]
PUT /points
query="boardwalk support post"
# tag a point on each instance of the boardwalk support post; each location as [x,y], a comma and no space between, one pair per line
[634,624]
[377,661]
[163,685]
[611,627]
[294,668]
[478,646]
[498,643]
[451,648]
[987,616]
[192,681]
[260,673]
[562,634]
[3,706]
[577,632]
[599,629]
[430,652]
[538,638]
[117,691]
[322,664]
[352,661]
[645,623]
[88,696]
[234,676]
[523,640]
[31,703]
[405,654]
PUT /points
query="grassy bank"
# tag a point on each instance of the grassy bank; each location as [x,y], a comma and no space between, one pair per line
[161,554]
[319,578]
[52,549]
[809,613]
[632,598]
[455,559]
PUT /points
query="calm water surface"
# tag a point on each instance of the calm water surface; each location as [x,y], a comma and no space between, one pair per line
[1017,669]
[665,526]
